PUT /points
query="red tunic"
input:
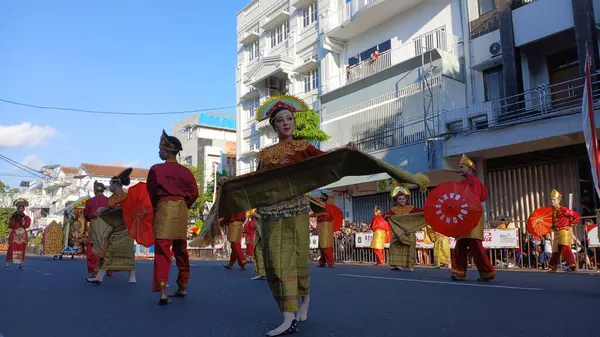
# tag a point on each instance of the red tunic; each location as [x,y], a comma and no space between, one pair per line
[378,222]
[250,230]
[240,217]
[564,217]
[93,204]
[324,216]
[477,187]
[171,181]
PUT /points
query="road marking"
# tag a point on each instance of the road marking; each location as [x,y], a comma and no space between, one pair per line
[441,282]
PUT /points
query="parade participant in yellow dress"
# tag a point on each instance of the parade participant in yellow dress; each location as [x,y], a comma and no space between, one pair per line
[403,251]
[113,243]
[441,248]
[380,228]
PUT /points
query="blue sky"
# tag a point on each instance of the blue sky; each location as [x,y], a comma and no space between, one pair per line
[133,56]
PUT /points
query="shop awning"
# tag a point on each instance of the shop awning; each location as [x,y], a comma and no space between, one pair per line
[348,181]
[435,176]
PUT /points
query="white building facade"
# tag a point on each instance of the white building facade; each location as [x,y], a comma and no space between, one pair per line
[209,139]
[277,54]
[419,82]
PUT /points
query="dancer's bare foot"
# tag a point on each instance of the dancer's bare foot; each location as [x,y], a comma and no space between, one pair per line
[288,326]
[302,314]
[178,293]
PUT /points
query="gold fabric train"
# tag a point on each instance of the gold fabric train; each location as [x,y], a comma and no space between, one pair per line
[270,186]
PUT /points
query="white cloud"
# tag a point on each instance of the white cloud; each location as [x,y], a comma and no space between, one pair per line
[125,163]
[25,134]
[32,161]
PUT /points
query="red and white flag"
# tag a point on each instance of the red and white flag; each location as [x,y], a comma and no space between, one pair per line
[589,124]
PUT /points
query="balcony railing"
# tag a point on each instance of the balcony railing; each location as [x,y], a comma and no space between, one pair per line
[435,40]
[545,101]
[520,3]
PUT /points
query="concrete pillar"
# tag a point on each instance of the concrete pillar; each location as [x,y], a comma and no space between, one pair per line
[510,56]
[585,31]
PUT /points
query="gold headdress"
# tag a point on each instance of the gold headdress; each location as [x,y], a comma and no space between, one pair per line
[464,160]
[277,103]
[20,202]
[170,143]
[250,213]
[399,189]
[555,194]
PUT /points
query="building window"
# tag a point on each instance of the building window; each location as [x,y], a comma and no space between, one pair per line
[253,104]
[253,51]
[189,133]
[366,55]
[311,80]
[493,84]
[280,34]
[309,15]
[486,6]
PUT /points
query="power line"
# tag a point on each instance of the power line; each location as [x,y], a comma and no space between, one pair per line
[115,112]
[22,167]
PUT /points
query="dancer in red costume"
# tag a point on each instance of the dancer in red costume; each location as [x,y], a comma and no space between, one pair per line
[98,201]
[473,242]
[563,219]
[17,237]
[250,234]
[380,228]
[234,236]
[325,233]
[173,190]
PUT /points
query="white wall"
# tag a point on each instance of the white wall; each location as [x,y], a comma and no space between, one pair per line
[540,19]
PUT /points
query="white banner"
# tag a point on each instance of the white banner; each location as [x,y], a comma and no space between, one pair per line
[363,240]
[593,237]
[497,238]
[493,238]
[314,242]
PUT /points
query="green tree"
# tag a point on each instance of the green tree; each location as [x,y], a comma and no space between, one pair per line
[13,190]
[5,214]
[3,187]
[198,206]
[210,188]
[307,127]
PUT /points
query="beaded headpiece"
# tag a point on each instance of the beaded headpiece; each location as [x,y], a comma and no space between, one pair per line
[399,189]
[20,202]
[271,106]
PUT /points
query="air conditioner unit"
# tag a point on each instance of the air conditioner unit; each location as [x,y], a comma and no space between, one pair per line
[495,49]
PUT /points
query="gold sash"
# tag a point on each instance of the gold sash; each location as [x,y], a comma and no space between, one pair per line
[234,234]
[170,220]
[378,241]
[325,232]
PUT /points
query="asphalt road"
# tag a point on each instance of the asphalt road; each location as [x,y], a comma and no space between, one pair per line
[51,299]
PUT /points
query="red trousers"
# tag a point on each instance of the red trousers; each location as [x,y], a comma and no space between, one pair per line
[249,249]
[92,260]
[459,259]
[162,263]
[567,253]
[237,254]
[379,256]
[326,257]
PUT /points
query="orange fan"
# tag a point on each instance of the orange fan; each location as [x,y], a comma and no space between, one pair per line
[539,222]
[337,215]
[139,215]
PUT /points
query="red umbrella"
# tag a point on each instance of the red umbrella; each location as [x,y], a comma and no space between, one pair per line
[452,209]
[337,215]
[539,222]
[139,215]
